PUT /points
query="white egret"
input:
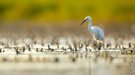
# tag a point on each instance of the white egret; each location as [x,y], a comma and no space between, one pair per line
[97,32]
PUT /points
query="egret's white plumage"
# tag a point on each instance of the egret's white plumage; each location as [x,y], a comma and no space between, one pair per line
[97,32]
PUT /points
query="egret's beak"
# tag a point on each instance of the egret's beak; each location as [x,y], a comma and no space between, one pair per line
[83,21]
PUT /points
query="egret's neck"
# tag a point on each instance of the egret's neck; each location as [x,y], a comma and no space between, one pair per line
[90,25]
[90,22]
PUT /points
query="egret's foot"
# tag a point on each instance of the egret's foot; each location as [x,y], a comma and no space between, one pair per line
[98,45]
[95,46]
[99,48]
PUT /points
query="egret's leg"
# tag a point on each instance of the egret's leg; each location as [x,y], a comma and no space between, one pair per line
[103,45]
[95,44]
[99,46]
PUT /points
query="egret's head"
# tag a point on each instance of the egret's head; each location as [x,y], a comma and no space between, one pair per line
[87,18]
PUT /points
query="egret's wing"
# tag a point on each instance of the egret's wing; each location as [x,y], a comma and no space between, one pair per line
[98,32]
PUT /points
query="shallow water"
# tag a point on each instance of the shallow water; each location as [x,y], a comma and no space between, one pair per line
[65,56]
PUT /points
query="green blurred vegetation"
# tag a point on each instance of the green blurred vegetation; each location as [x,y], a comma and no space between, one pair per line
[67,10]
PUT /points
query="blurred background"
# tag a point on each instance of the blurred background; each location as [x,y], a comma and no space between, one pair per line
[115,16]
